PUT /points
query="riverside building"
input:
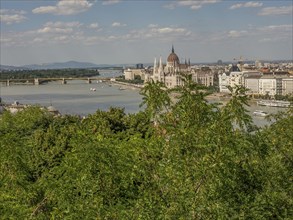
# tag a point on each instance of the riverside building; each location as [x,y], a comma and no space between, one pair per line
[169,73]
[257,82]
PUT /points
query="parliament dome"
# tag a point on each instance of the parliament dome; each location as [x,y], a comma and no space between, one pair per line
[173,58]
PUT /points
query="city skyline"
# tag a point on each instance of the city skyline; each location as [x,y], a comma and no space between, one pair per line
[117,32]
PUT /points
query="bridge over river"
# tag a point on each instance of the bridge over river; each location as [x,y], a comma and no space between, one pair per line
[39,81]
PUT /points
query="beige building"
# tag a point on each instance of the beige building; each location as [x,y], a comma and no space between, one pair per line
[252,83]
[130,74]
[203,76]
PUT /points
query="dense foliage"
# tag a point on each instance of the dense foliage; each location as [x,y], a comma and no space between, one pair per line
[50,73]
[180,158]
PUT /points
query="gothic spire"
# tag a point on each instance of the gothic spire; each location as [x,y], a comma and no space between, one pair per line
[155,66]
[160,67]
[172,48]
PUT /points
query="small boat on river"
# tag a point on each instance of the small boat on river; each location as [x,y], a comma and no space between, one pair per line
[260,113]
[274,103]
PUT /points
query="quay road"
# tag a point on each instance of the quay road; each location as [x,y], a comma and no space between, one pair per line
[39,81]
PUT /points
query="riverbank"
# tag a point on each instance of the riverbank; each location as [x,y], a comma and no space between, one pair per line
[125,85]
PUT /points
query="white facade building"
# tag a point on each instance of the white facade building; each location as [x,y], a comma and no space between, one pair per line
[287,86]
[267,86]
[230,79]
[224,81]
[236,79]
[248,79]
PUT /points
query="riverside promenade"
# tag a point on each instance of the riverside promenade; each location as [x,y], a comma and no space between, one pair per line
[126,85]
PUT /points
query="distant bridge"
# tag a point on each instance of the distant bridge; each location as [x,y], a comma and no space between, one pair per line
[39,81]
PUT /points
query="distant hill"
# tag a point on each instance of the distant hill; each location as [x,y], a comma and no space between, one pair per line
[63,65]
[10,68]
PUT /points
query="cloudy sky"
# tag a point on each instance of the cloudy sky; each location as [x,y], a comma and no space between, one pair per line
[125,31]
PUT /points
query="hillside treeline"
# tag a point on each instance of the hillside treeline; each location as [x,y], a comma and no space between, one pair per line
[181,158]
[49,73]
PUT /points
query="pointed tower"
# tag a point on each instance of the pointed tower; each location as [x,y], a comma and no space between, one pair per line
[161,71]
[155,66]
[160,65]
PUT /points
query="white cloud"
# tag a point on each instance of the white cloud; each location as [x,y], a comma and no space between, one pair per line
[235,34]
[194,5]
[38,40]
[63,38]
[110,2]
[153,25]
[118,24]
[149,33]
[61,24]
[59,27]
[158,33]
[46,30]
[90,40]
[94,25]
[262,34]
[187,3]
[55,32]
[250,4]
[168,30]
[284,10]
[65,7]
[271,33]
[278,28]
[112,37]
[12,16]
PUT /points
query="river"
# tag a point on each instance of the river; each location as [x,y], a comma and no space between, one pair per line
[76,97]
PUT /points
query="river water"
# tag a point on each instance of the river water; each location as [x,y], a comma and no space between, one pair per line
[76,97]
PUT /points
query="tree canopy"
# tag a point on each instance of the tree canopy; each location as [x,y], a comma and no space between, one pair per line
[179,158]
[48,73]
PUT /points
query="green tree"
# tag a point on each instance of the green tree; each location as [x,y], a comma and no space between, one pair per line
[156,98]
[199,161]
